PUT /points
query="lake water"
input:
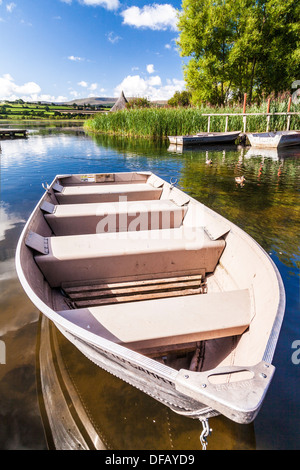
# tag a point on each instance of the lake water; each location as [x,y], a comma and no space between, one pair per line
[266,206]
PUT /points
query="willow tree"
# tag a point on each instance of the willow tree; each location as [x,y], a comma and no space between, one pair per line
[239,46]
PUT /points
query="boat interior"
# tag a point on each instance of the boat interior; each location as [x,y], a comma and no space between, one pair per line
[135,260]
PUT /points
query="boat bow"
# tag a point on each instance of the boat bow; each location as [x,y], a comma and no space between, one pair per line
[240,401]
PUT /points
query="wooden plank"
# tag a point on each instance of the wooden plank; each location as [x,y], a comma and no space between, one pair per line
[13,133]
[130,290]
[135,298]
[128,284]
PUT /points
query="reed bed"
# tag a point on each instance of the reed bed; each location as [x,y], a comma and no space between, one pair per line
[162,122]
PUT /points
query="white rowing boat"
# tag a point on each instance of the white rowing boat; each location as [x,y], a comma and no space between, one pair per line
[157,289]
[202,138]
[277,139]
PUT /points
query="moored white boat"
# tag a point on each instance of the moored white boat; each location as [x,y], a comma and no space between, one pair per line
[277,139]
[157,289]
[204,138]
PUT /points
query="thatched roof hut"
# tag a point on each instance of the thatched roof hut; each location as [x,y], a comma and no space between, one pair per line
[120,103]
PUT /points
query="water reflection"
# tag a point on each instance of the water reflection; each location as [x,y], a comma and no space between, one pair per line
[21,424]
[116,416]
[266,206]
[274,154]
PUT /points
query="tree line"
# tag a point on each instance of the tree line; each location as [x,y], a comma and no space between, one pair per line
[233,47]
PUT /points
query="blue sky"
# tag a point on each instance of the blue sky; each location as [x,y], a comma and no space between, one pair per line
[60,50]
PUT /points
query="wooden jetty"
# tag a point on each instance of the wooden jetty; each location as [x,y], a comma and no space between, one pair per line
[12,133]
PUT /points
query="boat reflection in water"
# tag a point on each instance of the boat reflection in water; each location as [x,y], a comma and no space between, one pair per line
[85,408]
[245,152]
[173,148]
[273,153]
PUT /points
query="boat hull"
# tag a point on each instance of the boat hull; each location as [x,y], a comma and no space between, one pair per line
[88,422]
[204,138]
[157,382]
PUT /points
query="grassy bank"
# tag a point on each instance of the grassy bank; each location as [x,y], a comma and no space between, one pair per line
[161,122]
[15,111]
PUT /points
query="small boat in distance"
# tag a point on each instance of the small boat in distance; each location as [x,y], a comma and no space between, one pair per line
[277,139]
[204,138]
[157,289]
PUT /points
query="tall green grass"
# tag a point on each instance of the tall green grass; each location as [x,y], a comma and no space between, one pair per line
[161,122]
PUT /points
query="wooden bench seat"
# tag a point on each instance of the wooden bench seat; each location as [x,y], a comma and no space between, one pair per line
[105,293]
[108,256]
[165,322]
[76,219]
[106,193]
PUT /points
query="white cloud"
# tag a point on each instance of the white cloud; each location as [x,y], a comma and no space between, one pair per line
[8,221]
[9,88]
[132,85]
[108,4]
[93,86]
[150,68]
[10,7]
[172,45]
[85,86]
[29,91]
[151,88]
[113,38]
[74,93]
[155,16]
[75,59]
[154,81]
[51,98]
[173,85]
